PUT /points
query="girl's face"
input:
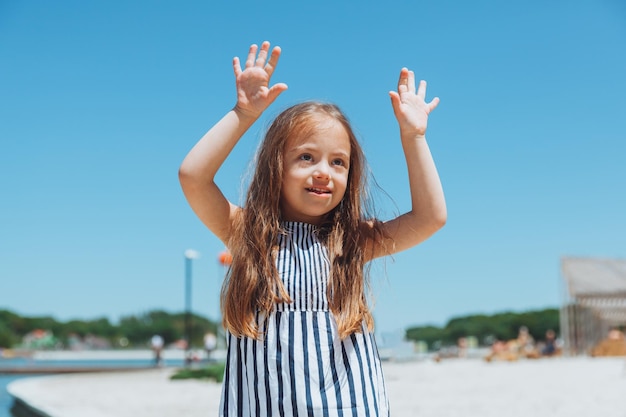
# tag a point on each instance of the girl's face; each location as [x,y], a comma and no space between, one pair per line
[315,173]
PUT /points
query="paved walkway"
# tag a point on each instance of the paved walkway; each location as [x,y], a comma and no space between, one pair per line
[561,387]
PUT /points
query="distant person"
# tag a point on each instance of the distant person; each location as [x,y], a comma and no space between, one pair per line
[613,345]
[549,345]
[462,347]
[157,347]
[294,300]
[521,347]
[210,343]
[500,350]
[524,345]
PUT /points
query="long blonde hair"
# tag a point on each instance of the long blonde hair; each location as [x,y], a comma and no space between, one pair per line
[252,283]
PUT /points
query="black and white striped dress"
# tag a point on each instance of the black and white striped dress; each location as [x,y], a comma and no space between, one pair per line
[301,367]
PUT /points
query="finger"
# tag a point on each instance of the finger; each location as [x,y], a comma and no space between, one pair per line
[421,90]
[395,100]
[411,82]
[433,104]
[236,66]
[251,55]
[271,65]
[403,82]
[260,61]
[276,90]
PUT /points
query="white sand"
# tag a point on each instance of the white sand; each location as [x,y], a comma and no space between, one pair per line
[561,387]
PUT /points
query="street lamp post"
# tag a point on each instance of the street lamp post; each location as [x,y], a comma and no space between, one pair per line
[225,259]
[190,255]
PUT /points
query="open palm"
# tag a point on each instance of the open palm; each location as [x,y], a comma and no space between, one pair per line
[409,106]
[254,94]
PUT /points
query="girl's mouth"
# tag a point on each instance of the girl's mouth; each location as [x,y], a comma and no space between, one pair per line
[318,190]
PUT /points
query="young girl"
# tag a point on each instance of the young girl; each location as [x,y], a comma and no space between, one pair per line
[300,339]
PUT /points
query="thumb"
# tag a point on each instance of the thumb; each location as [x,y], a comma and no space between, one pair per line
[275,91]
[395,100]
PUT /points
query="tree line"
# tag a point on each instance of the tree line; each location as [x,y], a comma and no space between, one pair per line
[487,328]
[136,330]
[131,331]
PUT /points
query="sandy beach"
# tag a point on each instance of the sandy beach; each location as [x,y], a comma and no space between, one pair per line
[558,387]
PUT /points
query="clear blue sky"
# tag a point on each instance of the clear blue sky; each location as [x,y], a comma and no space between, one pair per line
[100,102]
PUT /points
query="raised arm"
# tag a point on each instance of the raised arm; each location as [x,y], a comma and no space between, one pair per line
[428,208]
[197,172]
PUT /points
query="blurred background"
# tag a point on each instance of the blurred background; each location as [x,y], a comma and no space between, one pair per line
[101,101]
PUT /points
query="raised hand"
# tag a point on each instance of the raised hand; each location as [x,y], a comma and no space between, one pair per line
[254,94]
[409,106]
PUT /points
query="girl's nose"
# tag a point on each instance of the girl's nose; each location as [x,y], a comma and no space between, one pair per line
[322,171]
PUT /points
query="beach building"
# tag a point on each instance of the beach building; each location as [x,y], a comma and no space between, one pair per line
[594,301]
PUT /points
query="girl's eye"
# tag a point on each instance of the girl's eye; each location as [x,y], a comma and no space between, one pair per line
[306,157]
[338,162]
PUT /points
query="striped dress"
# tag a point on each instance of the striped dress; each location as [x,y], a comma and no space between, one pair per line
[301,367]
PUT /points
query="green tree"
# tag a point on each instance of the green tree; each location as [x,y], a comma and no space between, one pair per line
[429,334]
[7,338]
[503,326]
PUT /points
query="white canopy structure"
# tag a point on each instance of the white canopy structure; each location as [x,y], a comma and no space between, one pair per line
[594,301]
